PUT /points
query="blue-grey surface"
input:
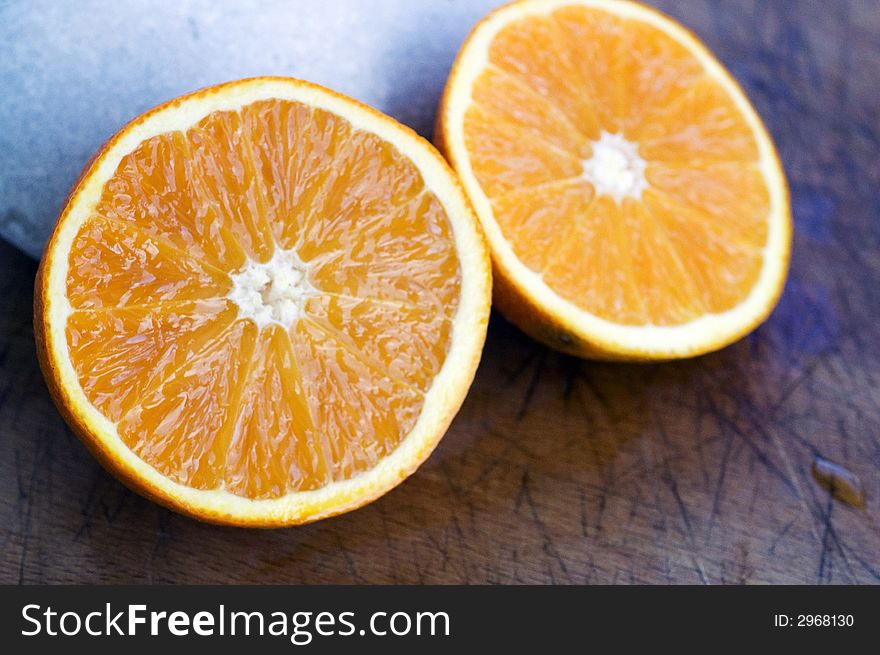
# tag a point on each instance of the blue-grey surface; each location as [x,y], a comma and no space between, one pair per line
[73,72]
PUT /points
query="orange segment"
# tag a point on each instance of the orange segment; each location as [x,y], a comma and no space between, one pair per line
[226,179]
[410,341]
[721,266]
[511,100]
[633,200]
[320,140]
[154,190]
[593,265]
[363,412]
[733,197]
[114,264]
[530,51]
[182,428]
[598,46]
[537,219]
[361,196]
[291,156]
[275,447]
[505,159]
[404,257]
[668,294]
[118,352]
[702,122]
[654,70]
[264,303]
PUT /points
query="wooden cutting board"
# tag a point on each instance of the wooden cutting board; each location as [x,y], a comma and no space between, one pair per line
[559,470]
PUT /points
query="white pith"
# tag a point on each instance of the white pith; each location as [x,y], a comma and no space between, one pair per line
[442,399]
[699,335]
[273,291]
[615,168]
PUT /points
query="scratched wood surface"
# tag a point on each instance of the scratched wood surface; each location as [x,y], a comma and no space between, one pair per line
[558,470]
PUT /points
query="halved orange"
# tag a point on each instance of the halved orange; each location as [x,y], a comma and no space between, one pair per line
[633,200]
[263,303]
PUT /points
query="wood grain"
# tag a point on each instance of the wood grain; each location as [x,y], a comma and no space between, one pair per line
[558,470]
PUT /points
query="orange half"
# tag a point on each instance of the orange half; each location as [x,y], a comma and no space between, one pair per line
[263,303]
[633,201]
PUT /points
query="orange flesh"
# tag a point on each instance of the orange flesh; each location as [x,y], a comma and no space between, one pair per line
[197,389]
[692,242]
